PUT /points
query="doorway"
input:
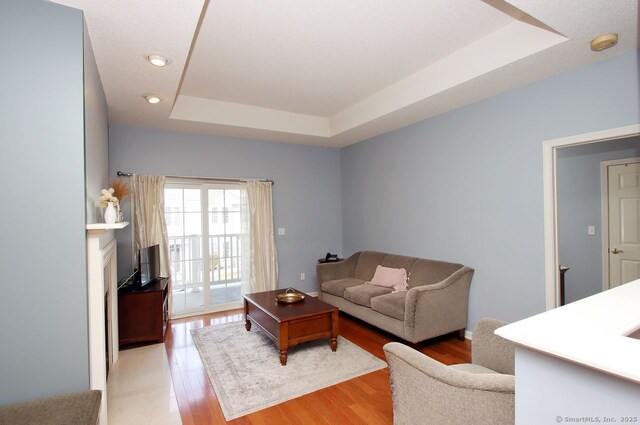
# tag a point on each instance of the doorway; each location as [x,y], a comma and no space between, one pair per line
[551,225]
[582,233]
[208,245]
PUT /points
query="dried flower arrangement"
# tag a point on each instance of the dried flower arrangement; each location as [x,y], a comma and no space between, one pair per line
[107,196]
[115,194]
[120,189]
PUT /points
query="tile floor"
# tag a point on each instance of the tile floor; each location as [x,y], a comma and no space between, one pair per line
[140,390]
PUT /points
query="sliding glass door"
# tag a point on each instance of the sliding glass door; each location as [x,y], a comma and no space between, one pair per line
[225,244]
[206,234]
[183,214]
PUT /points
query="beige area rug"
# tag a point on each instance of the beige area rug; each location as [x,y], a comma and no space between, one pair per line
[245,372]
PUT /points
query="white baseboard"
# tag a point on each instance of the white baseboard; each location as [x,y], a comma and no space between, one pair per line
[313,294]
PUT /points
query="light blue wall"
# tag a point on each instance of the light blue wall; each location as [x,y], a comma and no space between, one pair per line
[43,301]
[579,206]
[96,134]
[466,186]
[306,194]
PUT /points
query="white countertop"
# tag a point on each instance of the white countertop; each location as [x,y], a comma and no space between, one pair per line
[591,332]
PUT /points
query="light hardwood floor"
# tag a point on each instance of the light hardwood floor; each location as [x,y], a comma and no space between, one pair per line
[362,400]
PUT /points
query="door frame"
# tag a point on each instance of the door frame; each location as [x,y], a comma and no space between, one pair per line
[549,171]
[204,185]
[604,199]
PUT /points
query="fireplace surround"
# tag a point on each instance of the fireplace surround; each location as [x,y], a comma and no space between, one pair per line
[102,285]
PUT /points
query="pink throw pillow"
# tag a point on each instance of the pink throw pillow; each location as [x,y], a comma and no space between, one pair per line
[390,278]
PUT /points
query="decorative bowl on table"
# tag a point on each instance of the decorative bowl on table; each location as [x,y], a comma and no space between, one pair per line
[290,296]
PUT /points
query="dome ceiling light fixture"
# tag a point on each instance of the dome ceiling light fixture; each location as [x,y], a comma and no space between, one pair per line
[152,98]
[604,41]
[157,60]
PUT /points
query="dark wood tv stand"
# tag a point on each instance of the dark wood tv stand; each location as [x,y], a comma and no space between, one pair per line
[143,312]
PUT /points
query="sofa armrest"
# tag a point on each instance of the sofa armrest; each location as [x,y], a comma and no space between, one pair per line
[432,310]
[490,350]
[426,391]
[82,408]
[337,270]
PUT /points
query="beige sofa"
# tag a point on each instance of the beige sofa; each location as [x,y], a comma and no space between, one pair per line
[436,302]
[428,392]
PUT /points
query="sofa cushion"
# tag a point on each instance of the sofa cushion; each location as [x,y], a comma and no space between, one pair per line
[367,264]
[428,272]
[472,368]
[362,294]
[337,287]
[391,305]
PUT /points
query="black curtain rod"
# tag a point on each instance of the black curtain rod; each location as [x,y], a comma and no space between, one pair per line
[121,174]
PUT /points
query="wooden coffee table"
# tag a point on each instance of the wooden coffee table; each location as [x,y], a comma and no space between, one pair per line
[290,324]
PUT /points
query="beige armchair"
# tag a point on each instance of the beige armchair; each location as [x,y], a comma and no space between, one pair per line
[81,408]
[425,391]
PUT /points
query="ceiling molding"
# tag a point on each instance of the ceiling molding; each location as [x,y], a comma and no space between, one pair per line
[507,45]
[239,115]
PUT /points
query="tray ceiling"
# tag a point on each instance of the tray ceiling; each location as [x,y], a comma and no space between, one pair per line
[333,73]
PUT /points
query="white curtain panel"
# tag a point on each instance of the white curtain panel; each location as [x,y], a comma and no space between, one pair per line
[150,227]
[263,274]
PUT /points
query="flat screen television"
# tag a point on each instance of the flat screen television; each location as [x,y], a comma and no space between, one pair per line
[149,264]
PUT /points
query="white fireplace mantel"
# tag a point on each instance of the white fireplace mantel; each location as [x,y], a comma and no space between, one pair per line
[102,281]
[99,228]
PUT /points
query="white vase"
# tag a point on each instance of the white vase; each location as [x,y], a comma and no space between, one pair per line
[110,214]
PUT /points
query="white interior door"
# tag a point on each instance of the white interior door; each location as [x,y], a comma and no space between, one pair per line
[624,223]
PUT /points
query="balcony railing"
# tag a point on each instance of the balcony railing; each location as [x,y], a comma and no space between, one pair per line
[186,262]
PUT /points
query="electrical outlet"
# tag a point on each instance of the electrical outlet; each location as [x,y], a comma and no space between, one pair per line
[591,230]
[280,231]
[302,276]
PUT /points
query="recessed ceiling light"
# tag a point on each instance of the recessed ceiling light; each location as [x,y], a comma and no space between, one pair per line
[152,98]
[158,60]
[604,41]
